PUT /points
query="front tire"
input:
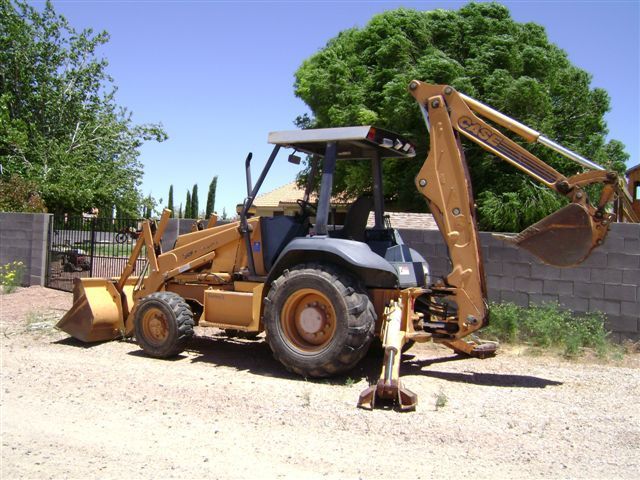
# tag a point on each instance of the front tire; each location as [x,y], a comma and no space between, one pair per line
[163,324]
[318,320]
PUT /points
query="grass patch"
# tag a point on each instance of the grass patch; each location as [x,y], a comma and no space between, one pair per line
[441,401]
[551,327]
[113,249]
[42,322]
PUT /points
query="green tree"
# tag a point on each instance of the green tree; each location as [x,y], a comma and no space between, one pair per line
[194,201]
[148,205]
[211,197]
[170,202]
[180,214]
[187,206]
[361,76]
[17,194]
[60,126]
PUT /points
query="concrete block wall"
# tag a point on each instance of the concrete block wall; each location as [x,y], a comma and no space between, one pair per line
[608,281]
[24,237]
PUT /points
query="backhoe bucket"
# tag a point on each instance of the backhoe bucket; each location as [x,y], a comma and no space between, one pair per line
[563,239]
[97,311]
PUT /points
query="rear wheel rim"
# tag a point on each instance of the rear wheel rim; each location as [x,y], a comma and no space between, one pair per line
[308,320]
[155,326]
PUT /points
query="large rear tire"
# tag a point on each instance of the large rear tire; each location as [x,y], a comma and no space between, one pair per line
[163,324]
[318,320]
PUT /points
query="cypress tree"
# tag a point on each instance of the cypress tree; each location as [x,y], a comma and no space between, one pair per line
[147,206]
[187,207]
[170,205]
[194,201]
[211,197]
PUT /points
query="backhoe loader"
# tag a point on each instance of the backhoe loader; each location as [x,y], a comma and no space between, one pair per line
[320,293]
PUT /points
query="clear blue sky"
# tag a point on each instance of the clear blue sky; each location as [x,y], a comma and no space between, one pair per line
[219,75]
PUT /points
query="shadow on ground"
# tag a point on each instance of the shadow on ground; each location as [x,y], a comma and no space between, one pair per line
[254,356]
[72,342]
[416,367]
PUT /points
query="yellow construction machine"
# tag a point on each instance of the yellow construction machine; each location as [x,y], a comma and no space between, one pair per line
[321,293]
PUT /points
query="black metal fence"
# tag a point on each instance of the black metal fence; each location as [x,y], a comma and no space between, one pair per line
[90,247]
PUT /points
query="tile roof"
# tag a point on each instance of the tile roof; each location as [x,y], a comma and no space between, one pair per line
[289,193]
[405,220]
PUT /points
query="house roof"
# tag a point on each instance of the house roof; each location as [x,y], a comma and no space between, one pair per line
[287,195]
[633,169]
[405,220]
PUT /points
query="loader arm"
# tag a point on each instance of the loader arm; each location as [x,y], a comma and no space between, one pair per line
[564,238]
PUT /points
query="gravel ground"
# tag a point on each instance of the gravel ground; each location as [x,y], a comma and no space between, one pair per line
[226,409]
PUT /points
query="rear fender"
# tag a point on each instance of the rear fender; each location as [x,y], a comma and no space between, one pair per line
[354,257]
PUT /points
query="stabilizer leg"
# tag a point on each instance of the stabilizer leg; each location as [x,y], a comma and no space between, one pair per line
[389,387]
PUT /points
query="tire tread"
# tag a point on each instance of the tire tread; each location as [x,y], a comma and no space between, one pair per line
[361,321]
[183,319]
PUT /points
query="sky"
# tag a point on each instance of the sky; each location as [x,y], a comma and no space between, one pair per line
[218,75]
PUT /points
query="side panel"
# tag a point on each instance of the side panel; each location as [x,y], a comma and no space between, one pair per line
[238,310]
[227,308]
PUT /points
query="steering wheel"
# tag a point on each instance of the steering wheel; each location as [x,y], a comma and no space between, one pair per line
[307,209]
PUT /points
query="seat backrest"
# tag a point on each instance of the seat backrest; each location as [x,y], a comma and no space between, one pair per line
[355,221]
[277,232]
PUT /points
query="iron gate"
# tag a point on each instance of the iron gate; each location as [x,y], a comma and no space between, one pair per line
[81,247]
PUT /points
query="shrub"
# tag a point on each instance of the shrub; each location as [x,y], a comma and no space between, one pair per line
[11,276]
[17,194]
[549,326]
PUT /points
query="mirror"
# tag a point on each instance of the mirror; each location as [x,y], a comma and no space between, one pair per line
[294,159]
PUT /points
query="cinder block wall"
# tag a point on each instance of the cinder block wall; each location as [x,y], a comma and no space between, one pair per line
[608,281]
[23,237]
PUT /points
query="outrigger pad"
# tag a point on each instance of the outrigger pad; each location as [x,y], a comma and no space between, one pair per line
[562,239]
[403,398]
[474,348]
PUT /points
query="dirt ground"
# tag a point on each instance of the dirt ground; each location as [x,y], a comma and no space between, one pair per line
[226,409]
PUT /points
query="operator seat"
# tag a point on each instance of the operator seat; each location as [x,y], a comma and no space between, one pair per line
[355,221]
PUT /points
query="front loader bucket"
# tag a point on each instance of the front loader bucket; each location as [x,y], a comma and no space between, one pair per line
[96,314]
[563,239]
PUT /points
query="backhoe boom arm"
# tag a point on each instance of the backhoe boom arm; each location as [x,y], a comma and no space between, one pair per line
[564,238]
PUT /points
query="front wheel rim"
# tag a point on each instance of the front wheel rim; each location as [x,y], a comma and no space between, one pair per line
[308,320]
[155,326]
